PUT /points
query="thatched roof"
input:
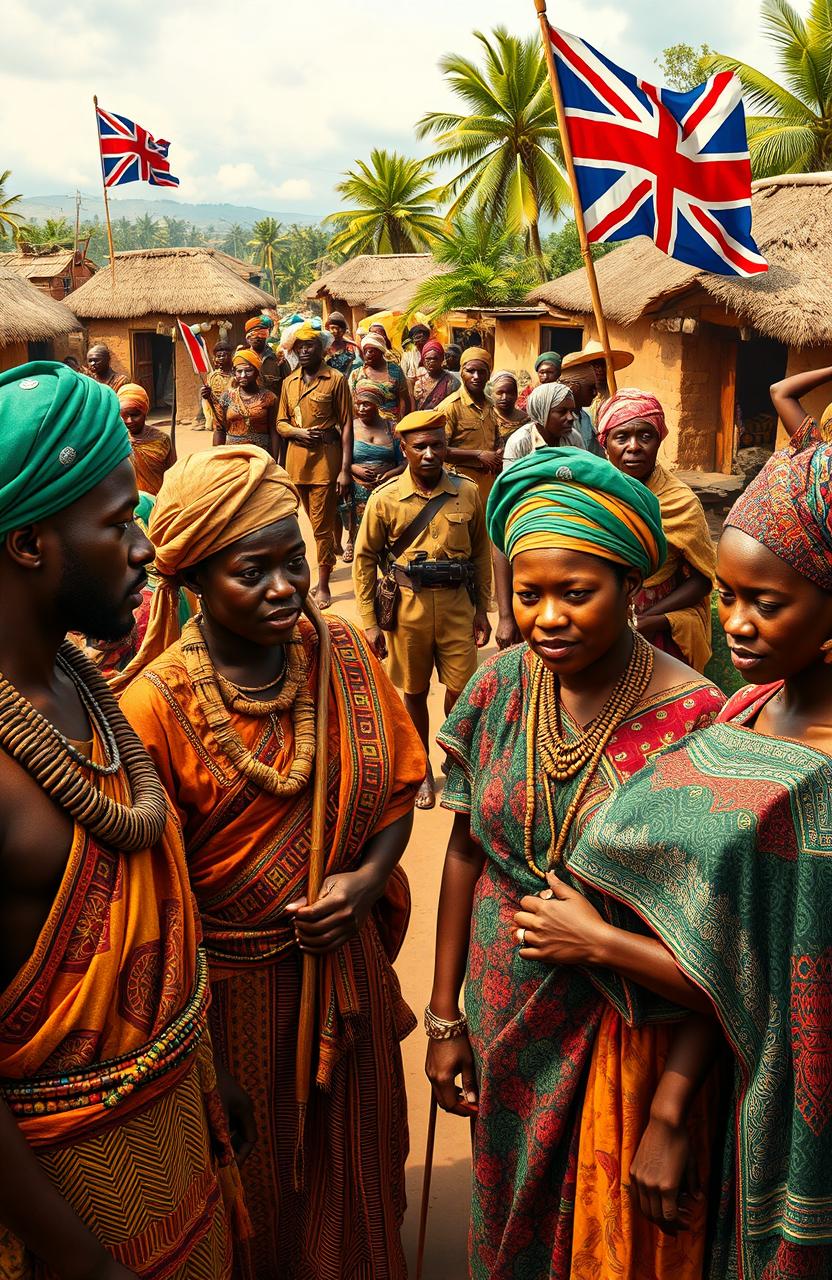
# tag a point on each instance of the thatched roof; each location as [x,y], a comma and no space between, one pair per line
[168,282]
[368,277]
[792,301]
[245,270]
[40,266]
[27,314]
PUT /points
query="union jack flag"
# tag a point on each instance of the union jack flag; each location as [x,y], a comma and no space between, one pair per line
[671,166]
[130,154]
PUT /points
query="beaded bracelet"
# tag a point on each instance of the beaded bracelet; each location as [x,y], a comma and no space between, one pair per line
[442,1029]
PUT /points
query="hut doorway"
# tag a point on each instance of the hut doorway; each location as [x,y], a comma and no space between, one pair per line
[560,338]
[152,365]
[760,361]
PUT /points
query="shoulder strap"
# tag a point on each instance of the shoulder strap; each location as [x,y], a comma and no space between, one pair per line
[416,525]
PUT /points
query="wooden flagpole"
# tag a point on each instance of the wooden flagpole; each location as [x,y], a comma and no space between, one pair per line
[597,309]
[106,199]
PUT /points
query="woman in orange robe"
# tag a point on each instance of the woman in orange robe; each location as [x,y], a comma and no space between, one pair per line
[153,450]
[226,713]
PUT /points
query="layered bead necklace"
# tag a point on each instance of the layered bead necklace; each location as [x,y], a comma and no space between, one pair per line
[63,771]
[562,758]
[218,696]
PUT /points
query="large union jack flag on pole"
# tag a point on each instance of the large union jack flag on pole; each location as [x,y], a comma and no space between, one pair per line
[671,166]
[130,154]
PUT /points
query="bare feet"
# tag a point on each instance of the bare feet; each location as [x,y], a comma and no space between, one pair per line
[426,795]
[322,596]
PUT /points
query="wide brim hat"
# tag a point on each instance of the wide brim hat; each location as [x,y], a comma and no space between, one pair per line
[592,352]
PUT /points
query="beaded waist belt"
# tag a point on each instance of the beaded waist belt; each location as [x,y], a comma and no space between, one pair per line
[246,946]
[109,1083]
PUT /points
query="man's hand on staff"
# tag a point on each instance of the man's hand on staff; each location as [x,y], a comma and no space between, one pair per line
[345,902]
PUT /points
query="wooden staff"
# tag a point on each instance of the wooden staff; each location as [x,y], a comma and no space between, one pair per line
[586,254]
[106,199]
[317,861]
[426,1180]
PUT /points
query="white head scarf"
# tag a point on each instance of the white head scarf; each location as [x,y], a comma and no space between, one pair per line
[543,398]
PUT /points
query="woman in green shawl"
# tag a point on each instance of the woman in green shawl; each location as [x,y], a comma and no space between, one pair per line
[542,734]
[723,846]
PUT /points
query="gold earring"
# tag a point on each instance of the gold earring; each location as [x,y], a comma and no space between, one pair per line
[633,617]
[826,650]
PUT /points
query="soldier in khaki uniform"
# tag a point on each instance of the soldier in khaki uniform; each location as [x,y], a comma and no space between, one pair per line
[444,575]
[315,417]
[472,425]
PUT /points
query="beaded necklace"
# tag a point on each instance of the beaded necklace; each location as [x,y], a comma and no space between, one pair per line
[562,758]
[218,696]
[62,771]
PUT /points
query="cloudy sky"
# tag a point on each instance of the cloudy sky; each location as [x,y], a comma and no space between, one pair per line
[266,104]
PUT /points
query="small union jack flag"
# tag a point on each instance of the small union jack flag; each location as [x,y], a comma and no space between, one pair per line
[130,154]
[671,166]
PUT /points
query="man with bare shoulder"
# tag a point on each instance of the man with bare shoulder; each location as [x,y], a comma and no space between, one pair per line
[109,1137]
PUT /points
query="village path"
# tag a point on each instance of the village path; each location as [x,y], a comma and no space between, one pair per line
[445,1255]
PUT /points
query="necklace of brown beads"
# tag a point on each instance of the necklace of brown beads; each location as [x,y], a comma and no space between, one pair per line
[563,758]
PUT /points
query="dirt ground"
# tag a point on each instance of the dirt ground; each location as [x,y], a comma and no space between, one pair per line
[445,1254]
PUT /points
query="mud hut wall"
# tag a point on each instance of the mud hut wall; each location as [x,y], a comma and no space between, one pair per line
[517,346]
[15,353]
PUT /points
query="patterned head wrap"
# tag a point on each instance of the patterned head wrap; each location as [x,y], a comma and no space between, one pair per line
[432,347]
[247,356]
[544,398]
[132,396]
[61,433]
[374,340]
[308,333]
[628,405]
[549,357]
[367,390]
[259,322]
[788,508]
[503,375]
[475,353]
[207,501]
[570,499]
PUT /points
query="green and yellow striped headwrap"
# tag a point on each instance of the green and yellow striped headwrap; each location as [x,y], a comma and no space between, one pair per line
[568,498]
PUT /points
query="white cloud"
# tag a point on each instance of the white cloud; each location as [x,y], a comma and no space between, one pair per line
[272,114]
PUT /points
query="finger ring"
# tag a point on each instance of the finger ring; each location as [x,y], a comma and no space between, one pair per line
[521,937]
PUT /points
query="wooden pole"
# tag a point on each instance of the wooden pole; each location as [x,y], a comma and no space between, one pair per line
[426,1177]
[106,200]
[317,862]
[173,335]
[597,309]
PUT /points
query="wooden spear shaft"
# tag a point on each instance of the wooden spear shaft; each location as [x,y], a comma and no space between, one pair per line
[317,862]
[597,309]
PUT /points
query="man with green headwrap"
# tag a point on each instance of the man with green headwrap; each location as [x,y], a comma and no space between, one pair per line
[110,1148]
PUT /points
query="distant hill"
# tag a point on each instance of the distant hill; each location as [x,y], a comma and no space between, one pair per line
[201,215]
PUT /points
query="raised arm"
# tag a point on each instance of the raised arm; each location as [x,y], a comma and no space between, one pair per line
[786,394]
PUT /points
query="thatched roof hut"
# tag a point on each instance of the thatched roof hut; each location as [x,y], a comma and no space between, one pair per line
[710,345]
[792,218]
[372,282]
[153,289]
[170,282]
[57,271]
[29,318]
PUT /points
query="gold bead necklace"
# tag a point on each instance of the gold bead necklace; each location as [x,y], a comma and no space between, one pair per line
[563,758]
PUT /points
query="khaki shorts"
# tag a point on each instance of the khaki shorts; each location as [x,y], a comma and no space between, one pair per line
[434,629]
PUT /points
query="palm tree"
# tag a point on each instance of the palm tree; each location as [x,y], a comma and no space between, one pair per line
[793,132]
[235,240]
[487,267]
[393,207]
[124,234]
[509,145]
[292,275]
[266,240]
[53,233]
[146,230]
[10,221]
[176,231]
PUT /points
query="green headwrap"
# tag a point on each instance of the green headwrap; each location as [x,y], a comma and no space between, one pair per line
[61,433]
[549,357]
[570,499]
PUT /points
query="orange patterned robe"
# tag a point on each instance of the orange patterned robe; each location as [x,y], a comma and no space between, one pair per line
[151,454]
[247,854]
[106,1063]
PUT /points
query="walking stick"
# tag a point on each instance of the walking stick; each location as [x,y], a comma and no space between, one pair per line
[423,1215]
[317,861]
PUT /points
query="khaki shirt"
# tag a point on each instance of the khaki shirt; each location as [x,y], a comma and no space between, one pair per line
[326,402]
[469,425]
[456,532]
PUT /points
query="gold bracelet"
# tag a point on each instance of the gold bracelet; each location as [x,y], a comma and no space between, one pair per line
[442,1028]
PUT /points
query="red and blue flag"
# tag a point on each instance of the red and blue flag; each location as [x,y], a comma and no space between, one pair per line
[654,162]
[130,154]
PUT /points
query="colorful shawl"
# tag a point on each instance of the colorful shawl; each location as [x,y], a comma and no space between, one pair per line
[722,846]
[151,452]
[533,1026]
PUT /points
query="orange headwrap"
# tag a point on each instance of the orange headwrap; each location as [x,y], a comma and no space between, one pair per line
[258,322]
[207,501]
[476,353]
[247,357]
[132,396]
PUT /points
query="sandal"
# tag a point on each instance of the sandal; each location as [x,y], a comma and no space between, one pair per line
[348,553]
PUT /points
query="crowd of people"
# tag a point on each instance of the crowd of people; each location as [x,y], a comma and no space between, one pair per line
[208,782]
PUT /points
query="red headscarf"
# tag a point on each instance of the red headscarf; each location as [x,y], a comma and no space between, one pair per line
[626,406]
[433,346]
